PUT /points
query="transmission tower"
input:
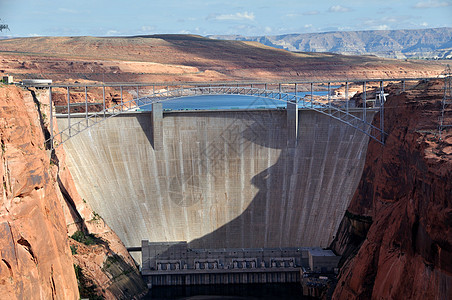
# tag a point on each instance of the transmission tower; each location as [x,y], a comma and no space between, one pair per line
[3,26]
[447,99]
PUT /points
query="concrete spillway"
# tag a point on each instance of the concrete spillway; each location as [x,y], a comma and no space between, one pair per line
[222,179]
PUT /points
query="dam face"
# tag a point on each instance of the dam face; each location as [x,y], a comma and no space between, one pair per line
[222,179]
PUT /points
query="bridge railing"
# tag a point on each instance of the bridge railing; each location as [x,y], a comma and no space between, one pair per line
[94,118]
[328,108]
[336,106]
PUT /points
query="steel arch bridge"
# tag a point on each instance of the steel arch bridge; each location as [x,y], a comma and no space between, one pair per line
[306,101]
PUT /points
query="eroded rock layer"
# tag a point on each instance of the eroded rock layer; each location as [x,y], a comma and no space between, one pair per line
[406,195]
[39,205]
[35,260]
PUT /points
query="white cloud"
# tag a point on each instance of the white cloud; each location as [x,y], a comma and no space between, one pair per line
[383,27]
[236,17]
[268,29]
[390,19]
[112,32]
[387,22]
[425,24]
[147,28]
[433,4]
[338,8]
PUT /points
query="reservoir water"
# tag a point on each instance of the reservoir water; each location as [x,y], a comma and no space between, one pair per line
[222,102]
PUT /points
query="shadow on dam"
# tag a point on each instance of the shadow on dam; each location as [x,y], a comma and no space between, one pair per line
[253,226]
[269,207]
[223,179]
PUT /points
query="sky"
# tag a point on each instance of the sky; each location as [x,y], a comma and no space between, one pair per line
[213,17]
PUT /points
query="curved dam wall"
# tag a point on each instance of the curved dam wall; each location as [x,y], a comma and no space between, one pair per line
[222,179]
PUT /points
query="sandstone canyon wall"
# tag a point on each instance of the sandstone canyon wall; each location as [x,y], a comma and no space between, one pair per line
[40,207]
[397,234]
[35,257]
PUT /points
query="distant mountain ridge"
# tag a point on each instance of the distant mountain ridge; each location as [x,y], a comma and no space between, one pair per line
[433,43]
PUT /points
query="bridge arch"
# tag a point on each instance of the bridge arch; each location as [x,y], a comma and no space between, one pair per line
[344,115]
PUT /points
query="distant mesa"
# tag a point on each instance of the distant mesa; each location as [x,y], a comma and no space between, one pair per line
[433,43]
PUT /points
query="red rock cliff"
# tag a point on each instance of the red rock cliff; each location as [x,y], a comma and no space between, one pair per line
[35,259]
[397,234]
[40,206]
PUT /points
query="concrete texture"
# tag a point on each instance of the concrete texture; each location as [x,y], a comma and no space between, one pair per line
[223,179]
[174,263]
[157,126]
[292,124]
[321,260]
[171,256]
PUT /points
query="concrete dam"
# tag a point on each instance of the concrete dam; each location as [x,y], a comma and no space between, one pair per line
[219,179]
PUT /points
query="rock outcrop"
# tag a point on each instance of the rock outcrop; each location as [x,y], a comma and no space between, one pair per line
[432,43]
[40,207]
[397,235]
[35,259]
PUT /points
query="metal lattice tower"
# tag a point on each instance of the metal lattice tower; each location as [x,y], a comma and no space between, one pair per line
[447,99]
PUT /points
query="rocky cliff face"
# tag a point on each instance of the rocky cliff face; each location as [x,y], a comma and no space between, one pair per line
[35,259]
[433,43]
[40,206]
[397,235]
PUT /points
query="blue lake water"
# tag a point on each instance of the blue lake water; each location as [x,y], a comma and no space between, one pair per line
[205,102]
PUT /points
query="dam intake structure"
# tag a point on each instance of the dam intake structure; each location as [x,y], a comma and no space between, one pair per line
[173,263]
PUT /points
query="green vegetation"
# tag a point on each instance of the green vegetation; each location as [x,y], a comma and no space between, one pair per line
[116,267]
[73,249]
[87,239]
[96,216]
[85,287]
[111,260]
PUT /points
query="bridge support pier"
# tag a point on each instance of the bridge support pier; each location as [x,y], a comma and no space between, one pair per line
[157,126]
[292,124]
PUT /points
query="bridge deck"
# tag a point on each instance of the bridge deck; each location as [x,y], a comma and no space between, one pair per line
[304,101]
